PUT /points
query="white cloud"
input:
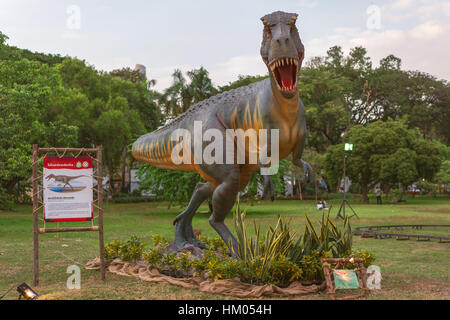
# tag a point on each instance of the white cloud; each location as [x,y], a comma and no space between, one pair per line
[424,47]
[428,30]
[422,44]
[414,10]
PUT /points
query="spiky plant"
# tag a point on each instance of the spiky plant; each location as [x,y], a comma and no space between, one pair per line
[275,244]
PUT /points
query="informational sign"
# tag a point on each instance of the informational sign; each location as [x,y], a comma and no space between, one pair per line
[345,279]
[67,184]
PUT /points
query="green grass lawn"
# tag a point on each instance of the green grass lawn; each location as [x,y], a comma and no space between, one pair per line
[410,269]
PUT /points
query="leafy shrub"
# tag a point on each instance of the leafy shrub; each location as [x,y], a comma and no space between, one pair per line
[369,258]
[154,257]
[112,249]
[272,258]
[215,244]
[312,266]
[255,250]
[128,251]
[327,238]
[159,241]
[282,272]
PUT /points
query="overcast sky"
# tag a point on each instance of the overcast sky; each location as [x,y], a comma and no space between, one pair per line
[224,36]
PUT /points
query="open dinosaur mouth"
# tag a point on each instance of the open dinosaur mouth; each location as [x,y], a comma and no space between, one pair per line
[284,71]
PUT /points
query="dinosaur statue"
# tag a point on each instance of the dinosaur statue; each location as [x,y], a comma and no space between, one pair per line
[272,103]
[64,179]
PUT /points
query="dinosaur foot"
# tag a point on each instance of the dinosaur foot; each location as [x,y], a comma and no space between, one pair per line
[184,233]
[197,243]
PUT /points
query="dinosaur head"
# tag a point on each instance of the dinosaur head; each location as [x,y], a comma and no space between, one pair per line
[282,50]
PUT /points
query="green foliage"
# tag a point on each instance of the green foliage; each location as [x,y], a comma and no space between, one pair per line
[154,257]
[257,249]
[175,186]
[26,87]
[181,95]
[270,259]
[129,250]
[257,180]
[328,238]
[112,249]
[386,152]
[312,266]
[369,258]
[443,176]
[62,102]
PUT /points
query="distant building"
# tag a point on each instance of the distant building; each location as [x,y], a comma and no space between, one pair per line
[141,69]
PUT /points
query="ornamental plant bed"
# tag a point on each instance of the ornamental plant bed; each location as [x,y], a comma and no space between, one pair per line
[274,260]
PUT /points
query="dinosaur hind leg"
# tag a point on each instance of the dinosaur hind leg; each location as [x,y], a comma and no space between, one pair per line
[184,232]
[223,200]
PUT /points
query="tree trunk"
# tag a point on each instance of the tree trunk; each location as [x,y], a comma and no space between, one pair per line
[124,166]
[111,177]
[364,193]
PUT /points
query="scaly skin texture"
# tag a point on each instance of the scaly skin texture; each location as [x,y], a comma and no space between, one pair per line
[272,103]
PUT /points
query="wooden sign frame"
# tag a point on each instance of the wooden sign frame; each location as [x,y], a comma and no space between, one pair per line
[340,262]
[96,155]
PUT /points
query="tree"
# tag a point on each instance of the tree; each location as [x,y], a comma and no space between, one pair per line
[443,176]
[182,94]
[322,92]
[26,87]
[174,186]
[383,152]
[116,128]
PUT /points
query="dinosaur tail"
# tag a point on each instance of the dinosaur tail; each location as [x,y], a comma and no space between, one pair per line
[76,177]
[156,149]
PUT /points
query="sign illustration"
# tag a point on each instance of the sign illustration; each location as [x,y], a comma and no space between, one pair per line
[345,279]
[68,194]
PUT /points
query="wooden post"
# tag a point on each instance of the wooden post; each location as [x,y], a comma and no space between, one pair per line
[100,210]
[37,231]
[35,216]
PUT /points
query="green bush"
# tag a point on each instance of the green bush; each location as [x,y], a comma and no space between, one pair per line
[154,257]
[327,238]
[272,258]
[130,250]
[369,258]
[112,249]
[256,252]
